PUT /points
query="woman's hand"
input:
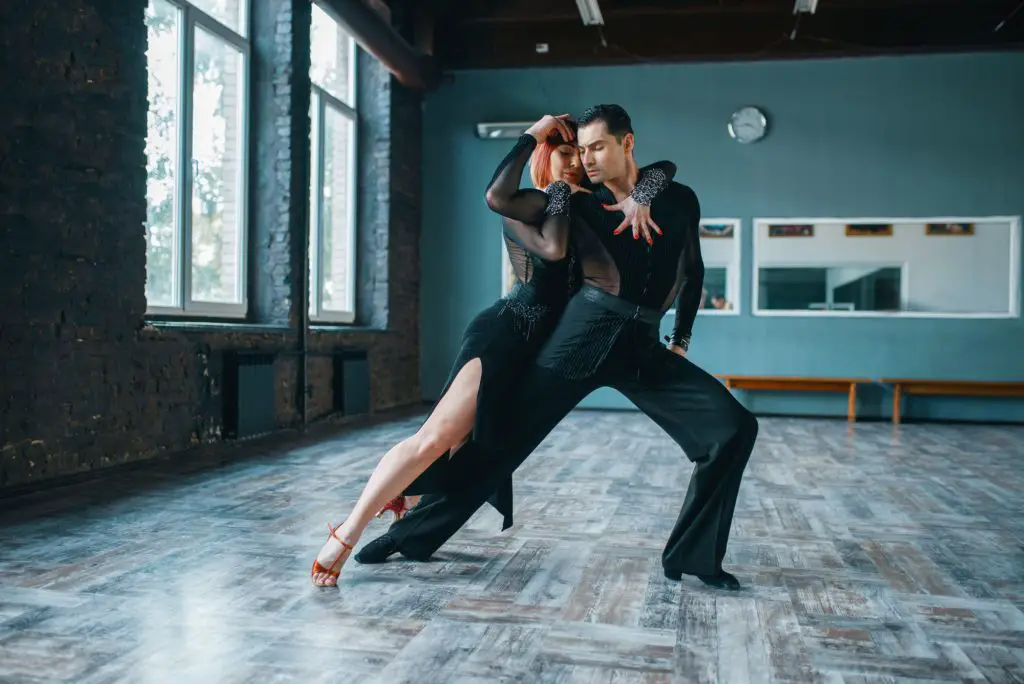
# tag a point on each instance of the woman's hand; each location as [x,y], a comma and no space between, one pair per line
[549,125]
[577,188]
[638,216]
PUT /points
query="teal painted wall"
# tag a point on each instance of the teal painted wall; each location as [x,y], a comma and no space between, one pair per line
[907,136]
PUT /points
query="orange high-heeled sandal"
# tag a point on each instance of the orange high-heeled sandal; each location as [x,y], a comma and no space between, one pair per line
[331,572]
[396,506]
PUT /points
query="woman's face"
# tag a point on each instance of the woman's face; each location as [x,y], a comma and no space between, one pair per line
[565,164]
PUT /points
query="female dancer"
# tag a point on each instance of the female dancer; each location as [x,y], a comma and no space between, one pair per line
[503,337]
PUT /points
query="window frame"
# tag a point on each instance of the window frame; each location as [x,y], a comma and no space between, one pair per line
[760,225]
[320,101]
[192,18]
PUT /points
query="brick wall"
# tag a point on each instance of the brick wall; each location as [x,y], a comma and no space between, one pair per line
[87,382]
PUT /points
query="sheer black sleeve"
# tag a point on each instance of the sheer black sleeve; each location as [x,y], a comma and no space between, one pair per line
[651,180]
[505,197]
[690,274]
[549,240]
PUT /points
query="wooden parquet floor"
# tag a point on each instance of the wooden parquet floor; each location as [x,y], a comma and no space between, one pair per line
[868,554]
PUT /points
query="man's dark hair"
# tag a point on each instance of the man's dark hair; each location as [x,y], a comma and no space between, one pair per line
[614,117]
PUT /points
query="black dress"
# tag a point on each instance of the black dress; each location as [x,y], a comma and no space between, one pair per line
[507,335]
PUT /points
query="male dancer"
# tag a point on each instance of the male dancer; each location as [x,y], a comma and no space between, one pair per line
[608,337]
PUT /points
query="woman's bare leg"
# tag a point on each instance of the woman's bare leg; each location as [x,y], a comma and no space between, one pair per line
[410,501]
[447,427]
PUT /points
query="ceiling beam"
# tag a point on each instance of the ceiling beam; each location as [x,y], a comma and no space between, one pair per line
[529,12]
[724,36]
[375,35]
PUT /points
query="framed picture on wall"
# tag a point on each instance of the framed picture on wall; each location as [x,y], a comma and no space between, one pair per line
[717,230]
[949,229]
[868,229]
[791,230]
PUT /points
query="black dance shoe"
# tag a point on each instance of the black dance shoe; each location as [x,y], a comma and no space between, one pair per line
[377,551]
[720,580]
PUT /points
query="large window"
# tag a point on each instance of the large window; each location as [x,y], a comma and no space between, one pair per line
[196,142]
[930,267]
[333,179]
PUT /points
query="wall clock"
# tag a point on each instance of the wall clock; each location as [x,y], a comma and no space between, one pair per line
[747,125]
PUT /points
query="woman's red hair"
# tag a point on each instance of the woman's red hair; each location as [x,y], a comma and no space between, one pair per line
[540,161]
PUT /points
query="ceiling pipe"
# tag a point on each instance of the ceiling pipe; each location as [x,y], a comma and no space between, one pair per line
[375,35]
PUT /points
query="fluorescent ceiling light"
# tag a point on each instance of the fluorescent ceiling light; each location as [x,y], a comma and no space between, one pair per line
[497,130]
[590,13]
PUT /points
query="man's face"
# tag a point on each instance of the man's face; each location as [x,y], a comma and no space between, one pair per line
[604,157]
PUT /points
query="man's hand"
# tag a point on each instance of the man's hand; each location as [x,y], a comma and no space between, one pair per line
[676,349]
[637,215]
[549,125]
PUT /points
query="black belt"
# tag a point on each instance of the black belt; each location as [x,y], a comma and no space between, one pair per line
[619,305]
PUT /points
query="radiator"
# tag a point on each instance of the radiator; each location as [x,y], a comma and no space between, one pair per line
[249,406]
[351,382]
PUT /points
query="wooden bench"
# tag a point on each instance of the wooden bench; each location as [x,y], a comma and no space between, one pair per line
[949,388]
[798,384]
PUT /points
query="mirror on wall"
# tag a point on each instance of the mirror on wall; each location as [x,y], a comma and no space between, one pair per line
[959,267]
[720,250]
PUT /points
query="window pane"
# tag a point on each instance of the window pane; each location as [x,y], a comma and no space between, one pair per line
[716,289]
[314,202]
[162,257]
[337,276]
[227,12]
[330,52]
[217,150]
